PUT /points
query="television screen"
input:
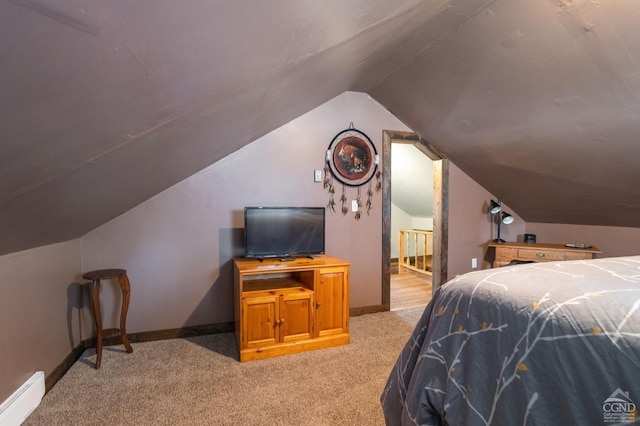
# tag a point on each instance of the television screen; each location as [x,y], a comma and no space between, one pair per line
[283,231]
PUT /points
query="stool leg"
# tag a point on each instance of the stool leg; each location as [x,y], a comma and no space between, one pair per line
[95,299]
[123,280]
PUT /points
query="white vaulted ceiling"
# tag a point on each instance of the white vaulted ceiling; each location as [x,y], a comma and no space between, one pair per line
[106,103]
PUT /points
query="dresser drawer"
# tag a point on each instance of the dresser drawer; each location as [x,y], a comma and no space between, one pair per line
[540,255]
[507,253]
[578,255]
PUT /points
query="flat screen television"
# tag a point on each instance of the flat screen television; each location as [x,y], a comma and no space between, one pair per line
[283,232]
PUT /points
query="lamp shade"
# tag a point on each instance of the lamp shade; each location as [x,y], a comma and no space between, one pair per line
[494,207]
[506,218]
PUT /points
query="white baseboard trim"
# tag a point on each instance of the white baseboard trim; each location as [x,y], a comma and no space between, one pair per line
[22,402]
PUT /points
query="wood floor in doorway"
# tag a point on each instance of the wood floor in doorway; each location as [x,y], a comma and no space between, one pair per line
[409,289]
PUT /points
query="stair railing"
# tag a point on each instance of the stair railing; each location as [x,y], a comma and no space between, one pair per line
[415,250]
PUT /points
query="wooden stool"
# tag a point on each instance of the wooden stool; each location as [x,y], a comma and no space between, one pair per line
[123,280]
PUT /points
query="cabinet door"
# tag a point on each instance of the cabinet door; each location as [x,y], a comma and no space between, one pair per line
[296,316]
[259,327]
[332,301]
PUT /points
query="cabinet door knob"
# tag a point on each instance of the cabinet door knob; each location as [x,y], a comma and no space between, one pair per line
[539,254]
[281,320]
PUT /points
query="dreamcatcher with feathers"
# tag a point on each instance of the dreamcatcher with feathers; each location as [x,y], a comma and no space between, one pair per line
[352,160]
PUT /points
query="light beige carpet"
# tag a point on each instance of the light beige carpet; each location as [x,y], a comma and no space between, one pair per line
[199,381]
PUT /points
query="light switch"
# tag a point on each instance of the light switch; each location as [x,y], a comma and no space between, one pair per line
[354,205]
[317,175]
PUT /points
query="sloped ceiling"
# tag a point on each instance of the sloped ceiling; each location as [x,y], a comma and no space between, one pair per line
[105,104]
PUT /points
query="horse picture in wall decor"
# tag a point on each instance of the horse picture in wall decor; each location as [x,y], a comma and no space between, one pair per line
[352,159]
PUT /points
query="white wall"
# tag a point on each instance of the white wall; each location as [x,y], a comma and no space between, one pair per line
[422,223]
[178,245]
[399,220]
[411,191]
[411,180]
[402,220]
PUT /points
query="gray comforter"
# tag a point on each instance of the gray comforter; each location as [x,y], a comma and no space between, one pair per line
[554,343]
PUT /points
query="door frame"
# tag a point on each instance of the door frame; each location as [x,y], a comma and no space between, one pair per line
[440,209]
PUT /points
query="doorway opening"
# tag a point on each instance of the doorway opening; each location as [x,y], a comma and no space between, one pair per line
[440,209]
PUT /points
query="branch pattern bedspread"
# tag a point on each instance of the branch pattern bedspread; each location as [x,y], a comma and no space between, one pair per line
[554,343]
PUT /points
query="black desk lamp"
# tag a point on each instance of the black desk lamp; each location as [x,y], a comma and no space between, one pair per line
[495,208]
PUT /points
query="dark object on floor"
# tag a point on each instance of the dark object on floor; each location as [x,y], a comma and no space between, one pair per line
[519,262]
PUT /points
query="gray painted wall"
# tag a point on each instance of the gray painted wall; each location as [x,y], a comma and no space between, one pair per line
[44,311]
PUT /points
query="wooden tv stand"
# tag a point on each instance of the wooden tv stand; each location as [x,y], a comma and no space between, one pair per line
[289,307]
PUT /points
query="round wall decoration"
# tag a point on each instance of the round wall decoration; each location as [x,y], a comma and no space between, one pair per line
[352,157]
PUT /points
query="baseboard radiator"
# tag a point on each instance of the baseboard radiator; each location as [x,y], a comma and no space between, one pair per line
[22,402]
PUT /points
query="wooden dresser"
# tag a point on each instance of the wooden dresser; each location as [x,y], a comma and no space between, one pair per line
[288,307]
[538,252]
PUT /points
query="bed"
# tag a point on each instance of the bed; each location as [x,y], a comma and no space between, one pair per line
[554,343]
